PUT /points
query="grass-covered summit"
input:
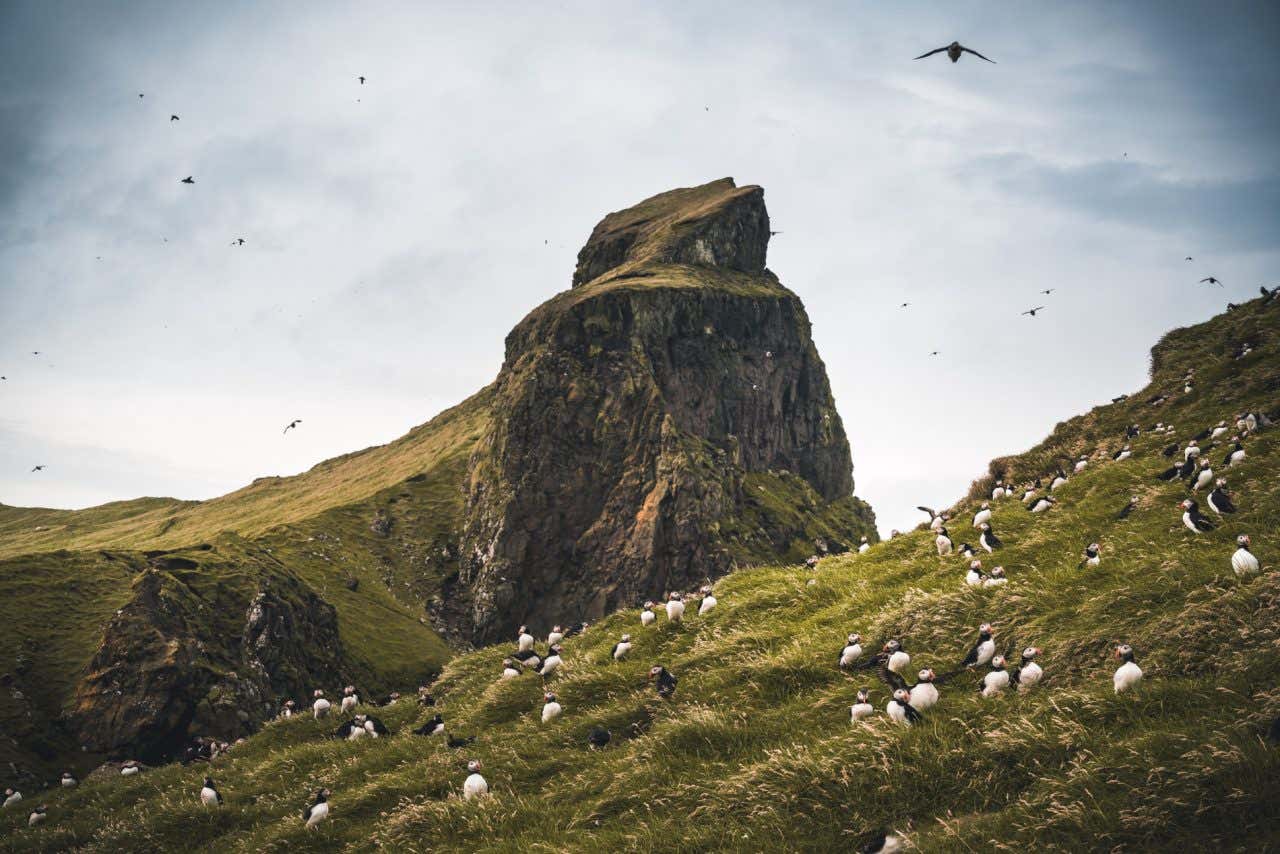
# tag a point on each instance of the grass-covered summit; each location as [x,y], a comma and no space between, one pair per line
[756,750]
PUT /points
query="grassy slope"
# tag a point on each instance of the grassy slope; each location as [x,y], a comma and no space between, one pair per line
[757,751]
[268,502]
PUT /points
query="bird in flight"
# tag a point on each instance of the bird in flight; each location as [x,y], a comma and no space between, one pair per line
[174,118]
[935,352]
[772,233]
[140,94]
[38,468]
[188,180]
[1049,291]
[292,424]
[35,352]
[1189,258]
[1211,280]
[904,305]
[239,241]
[953,51]
[1032,311]
[361,79]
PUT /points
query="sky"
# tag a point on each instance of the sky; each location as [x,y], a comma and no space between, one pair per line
[395,231]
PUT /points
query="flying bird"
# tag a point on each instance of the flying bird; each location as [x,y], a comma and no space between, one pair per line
[292,424]
[1211,280]
[239,241]
[953,52]
[188,180]
[38,468]
[1032,311]
[935,352]
[904,305]
[772,233]
[1049,291]
[361,79]
[1189,258]
[174,118]
[140,94]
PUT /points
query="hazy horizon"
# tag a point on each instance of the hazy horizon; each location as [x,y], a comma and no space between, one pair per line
[396,230]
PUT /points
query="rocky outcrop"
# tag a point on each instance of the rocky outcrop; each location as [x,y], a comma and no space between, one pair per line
[632,409]
[186,657]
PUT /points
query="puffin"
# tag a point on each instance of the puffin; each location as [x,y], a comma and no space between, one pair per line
[935,518]
[852,650]
[319,809]
[509,669]
[1132,432]
[475,786]
[131,768]
[862,708]
[894,657]
[1122,454]
[352,730]
[863,546]
[1129,674]
[1192,519]
[954,51]
[1081,464]
[11,797]
[923,695]
[983,650]
[988,538]
[1030,492]
[287,710]
[551,663]
[555,636]
[675,608]
[1128,508]
[646,615]
[1191,450]
[550,708]
[1219,499]
[997,679]
[349,699]
[709,601]
[621,649]
[996,579]
[1058,480]
[524,640]
[435,726]
[598,738]
[38,815]
[1220,428]
[1177,471]
[1204,478]
[1243,560]
[1091,556]
[943,542]
[1029,673]
[900,709]
[1170,449]
[455,743]
[882,842]
[209,794]
[1235,456]
[983,514]
[69,780]
[998,491]
[320,708]
[665,682]
[1041,504]
[528,659]
[975,576]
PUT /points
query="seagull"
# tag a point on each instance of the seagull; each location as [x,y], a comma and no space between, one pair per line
[188,180]
[953,52]
[38,468]
[361,79]
[174,118]
[1211,280]
[292,424]
[1032,311]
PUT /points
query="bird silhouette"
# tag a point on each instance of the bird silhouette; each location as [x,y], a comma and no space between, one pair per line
[1049,291]
[239,241]
[953,52]
[140,94]
[35,352]
[935,352]
[1211,280]
[1189,258]
[188,180]
[1032,311]
[904,305]
[292,424]
[361,79]
[38,468]
[174,118]
[772,233]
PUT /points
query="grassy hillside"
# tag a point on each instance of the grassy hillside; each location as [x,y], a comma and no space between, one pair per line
[756,750]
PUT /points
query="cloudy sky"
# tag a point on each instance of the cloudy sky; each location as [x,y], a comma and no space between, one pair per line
[396,231]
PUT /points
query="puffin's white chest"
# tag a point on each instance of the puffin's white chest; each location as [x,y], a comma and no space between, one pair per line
[621,652]
[647,618]
[319,812]
[1057,481]
[850,654]
[995,682]
[1205,478]
[208,797]
[1122,456]
[862,549]
[924,696]
[554,638]
[973,579]
[708,602]
[943,544]
[936,524]
[1082,465]
[980,517]
[1243,562]
[896,712]
[1186,520]
[675,611]
[1237,457]
[550,711]
[1029,676]
[858,711]
[510,673]
[320,707]
[474,786]
[550,665]
[13,799]
[1128,675]
[130,771]
[898,661]
[525,642]
[349,703]
[986,651]
[994,582]
[1040,506]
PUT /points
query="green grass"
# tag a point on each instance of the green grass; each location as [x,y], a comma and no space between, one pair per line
[756,751]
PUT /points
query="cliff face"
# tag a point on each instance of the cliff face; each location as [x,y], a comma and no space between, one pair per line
[634,407]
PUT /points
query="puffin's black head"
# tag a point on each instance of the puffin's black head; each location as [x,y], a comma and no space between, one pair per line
[473,766]
[986,630]
[997,663]
[864,695]
[892,645]
[208,781]
[926,675]
[1243,541]
[901,696]
[1029,653]
[321,795]
[1124,652]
